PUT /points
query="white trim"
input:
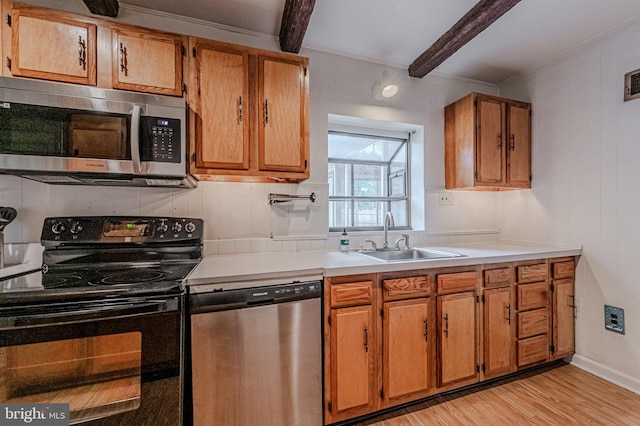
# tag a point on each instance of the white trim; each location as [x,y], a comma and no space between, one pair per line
[607,373]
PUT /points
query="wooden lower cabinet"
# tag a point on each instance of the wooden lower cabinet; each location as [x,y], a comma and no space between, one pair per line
[457,338]
[498,332]
[397,337]
[408,342]
[352,351]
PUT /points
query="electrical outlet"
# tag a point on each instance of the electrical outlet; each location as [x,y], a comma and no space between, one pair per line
[614,319]
[445,198]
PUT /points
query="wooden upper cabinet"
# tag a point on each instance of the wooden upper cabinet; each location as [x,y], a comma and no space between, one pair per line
[283,129]
[222,103]
[147,61]
[251,113]
[487,143]
[52,47]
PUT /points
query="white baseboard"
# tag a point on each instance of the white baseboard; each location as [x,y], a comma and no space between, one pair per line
[606,373]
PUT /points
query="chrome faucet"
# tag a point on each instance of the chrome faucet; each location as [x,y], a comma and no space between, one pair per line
[388,221]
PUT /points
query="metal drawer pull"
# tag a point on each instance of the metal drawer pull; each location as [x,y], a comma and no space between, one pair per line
[499,140]
[366,339]
[266,112]
[509,313]
[240,108]
[446,325]
[123,60]
[426,330]
[82,53]
[513,143]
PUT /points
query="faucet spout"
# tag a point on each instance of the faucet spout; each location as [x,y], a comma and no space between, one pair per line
[388,221]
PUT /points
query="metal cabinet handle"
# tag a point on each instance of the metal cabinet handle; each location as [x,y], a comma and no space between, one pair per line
[512,145]
[509,313]
[82,53]
[499,140]
[366,339]
[572,305]
[266,112]
[240,113]
[123,60]
[446,325]
[426,330]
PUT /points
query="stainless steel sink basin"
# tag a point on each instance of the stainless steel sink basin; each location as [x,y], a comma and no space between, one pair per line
[401,255]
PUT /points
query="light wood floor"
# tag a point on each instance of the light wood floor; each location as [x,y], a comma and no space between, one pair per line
[557,395]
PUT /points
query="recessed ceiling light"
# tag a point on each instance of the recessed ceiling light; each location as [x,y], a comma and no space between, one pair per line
[389,90]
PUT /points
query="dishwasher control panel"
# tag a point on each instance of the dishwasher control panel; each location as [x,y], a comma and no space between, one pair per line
[219,300]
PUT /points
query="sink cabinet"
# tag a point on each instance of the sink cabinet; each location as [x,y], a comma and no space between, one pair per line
[487,143]
[393,338]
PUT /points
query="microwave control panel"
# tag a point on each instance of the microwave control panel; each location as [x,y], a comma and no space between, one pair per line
[161,139]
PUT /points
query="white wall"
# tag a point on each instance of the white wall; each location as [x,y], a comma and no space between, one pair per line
[237,215]
[586,171]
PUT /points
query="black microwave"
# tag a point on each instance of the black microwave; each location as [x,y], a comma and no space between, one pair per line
[69,134]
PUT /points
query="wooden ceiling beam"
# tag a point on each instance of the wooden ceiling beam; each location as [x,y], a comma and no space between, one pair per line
[476,20]
[295,20]
[103,7]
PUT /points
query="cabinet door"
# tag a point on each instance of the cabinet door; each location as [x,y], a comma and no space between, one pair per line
[563,318]
[457,336]
[519,149]
[490,141]
[147,62]
[406,349]
[222,122]
[283,132]
[352,361]
[52,48]
[499,339]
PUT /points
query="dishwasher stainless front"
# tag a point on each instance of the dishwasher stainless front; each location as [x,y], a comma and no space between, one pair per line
[256,355]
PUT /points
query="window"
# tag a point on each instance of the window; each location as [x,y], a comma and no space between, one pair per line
[368,177]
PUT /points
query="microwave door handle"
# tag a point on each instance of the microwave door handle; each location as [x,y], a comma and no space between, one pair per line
[135,139]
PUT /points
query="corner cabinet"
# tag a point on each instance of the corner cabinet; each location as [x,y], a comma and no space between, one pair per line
[249,112]
[487,143]
[68,53]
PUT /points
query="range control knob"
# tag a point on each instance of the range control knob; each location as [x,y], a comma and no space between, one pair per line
[162,227]
[58,228]
[177,227]
[76,228]
[190,227]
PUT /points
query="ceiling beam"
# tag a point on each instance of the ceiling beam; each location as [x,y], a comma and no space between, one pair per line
[103,7]
[295,20]
[476,20]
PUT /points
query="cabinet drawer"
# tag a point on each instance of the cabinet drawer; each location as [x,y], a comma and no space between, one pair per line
[532,323]
[498,277]
[359,293]
[533,296]
[563,269]
[534,349]
[532,273]
[462,281]
[405,287]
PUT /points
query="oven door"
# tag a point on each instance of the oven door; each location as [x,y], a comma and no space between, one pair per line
[114,362]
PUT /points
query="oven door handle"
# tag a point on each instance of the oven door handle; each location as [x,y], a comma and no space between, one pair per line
[73,312]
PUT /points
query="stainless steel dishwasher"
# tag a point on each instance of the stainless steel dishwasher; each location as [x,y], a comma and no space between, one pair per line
[256,353]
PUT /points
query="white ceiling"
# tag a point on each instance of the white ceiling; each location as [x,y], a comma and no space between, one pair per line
[395,32]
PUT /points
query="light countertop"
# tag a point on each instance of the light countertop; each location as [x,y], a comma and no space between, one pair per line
[284,266]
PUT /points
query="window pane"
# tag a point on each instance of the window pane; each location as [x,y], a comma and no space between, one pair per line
[369,213]
[340,214]
[370,181]
[350,146]
[339,179]
[399,212]
[399,161]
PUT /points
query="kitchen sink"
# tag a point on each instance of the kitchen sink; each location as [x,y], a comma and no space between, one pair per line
[401,255]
